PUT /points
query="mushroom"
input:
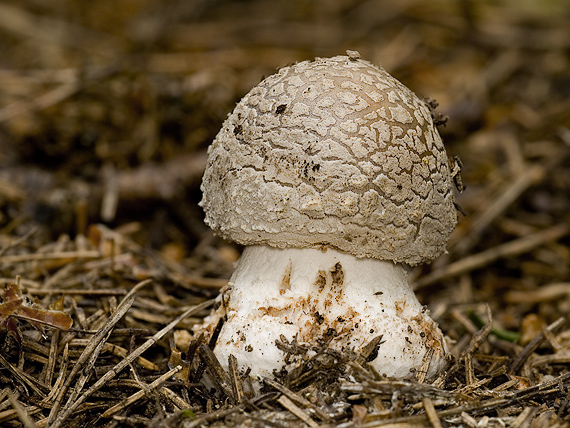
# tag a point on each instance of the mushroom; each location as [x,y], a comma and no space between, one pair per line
[333,176]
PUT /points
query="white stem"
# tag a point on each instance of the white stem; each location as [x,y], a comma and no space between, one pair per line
[307,292]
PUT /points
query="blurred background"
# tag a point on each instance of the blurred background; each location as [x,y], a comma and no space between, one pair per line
[107,108]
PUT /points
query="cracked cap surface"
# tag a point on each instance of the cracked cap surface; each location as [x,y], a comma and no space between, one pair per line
[332,153]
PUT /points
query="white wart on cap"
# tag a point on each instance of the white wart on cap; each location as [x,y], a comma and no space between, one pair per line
[334,153]
[333,175]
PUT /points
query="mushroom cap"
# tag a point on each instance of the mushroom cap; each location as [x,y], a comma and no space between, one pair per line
[332,153]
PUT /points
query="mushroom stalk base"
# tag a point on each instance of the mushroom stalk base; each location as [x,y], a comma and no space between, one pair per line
[304,293]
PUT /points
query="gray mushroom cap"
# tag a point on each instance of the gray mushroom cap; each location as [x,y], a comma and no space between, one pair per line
[332,153]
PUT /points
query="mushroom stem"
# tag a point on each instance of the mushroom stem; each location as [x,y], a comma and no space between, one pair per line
[304,293]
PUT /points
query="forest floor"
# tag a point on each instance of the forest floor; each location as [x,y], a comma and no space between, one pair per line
[106,112]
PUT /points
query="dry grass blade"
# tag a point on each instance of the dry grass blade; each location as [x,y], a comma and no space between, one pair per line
[61,377]
[18,241]
[297,399]
[236,382]
[9,415]
[140,394]
[59,291]
[92,350]
[430,412]
[175,399]
[465,356]
[403,387]
[50,367]
[369,351]
[87,367]
[218,414]
[67,255]
[512,191]
[218,374]
[21,412]
[24,378]
[297,411]
[484,405]
[62,416]
[122,352]
[535,390]
[564,406]
[421,373]
[558,358]
[118,351]
[469,373]
[509,249]
[521,358]
[523,420]
[545,293]
[470,421]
